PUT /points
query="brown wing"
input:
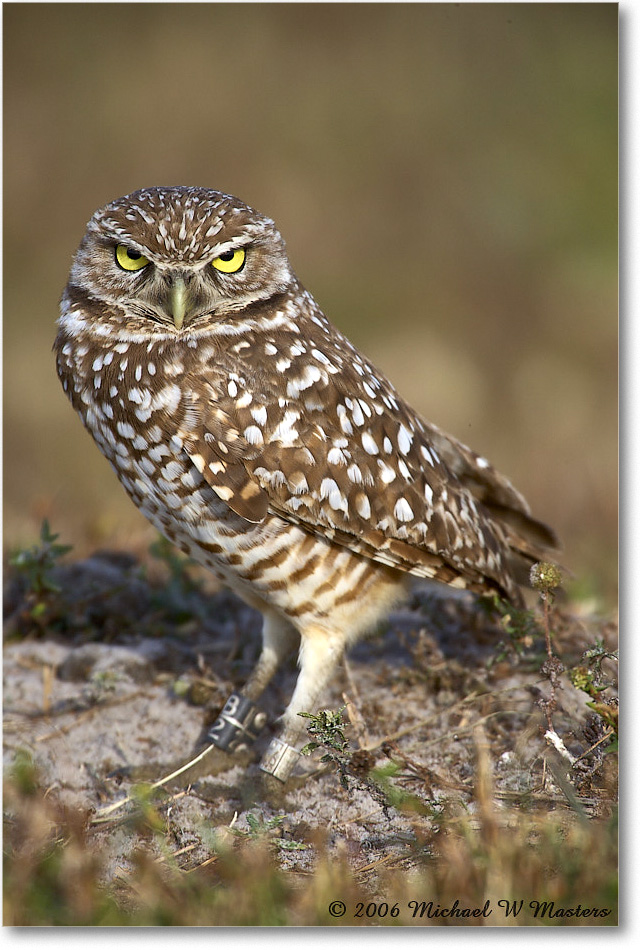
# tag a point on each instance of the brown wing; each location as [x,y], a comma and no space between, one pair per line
[366,473]
[216,447]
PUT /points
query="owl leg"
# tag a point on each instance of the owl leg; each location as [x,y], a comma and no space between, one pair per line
[319,656]
[279,640]
[240,720]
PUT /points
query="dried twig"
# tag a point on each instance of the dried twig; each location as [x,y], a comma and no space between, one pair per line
[101,816]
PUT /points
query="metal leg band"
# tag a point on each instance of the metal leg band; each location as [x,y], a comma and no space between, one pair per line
[279,759]
[238,724]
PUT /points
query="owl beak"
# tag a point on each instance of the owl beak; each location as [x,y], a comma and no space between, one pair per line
[178,302]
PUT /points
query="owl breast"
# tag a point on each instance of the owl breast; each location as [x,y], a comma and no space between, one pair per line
[130,397]
[134,400]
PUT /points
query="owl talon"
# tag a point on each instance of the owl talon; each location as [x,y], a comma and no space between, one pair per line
[239,724]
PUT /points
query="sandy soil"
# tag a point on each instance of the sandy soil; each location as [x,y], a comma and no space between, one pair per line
[116,678]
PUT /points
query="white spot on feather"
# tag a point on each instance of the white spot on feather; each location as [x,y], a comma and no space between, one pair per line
[362,505]
[254,435]
[336,499]
[357,415]
[285,431]
[404,470]
[344,422]
[404,439]
[259,414]
[336,456]
[354,474]
[172,470]
[126,430]
[386,473]
[321,357]
[403,511]
[369,444]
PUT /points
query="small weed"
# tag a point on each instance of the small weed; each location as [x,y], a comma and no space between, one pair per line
[175,598]
[24,774]
[101,684]
[386,779]
[591,679]
[518,623]
[37,595]
[261,829]
[354,768]
[36,564]
[597,730]
[177,564]
[326,729]
[546,578]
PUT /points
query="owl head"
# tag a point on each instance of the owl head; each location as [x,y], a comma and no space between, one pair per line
[175,258]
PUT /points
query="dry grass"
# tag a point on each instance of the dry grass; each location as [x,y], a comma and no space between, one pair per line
[488,852]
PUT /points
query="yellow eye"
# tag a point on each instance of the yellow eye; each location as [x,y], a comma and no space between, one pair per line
[230,262]
[129,258]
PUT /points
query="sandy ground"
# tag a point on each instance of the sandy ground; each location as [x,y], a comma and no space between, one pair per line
[118,676]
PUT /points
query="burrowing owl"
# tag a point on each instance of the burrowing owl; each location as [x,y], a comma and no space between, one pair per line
[255,437]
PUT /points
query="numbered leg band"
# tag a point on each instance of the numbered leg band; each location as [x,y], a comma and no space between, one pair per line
[238,724]
[279,759]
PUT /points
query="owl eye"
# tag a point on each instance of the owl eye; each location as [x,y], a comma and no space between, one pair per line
[230,261]
[129,258]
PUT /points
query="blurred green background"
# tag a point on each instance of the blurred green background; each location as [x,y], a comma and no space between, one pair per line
[445,177]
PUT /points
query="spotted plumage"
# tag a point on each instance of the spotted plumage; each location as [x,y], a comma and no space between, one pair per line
[254,435]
